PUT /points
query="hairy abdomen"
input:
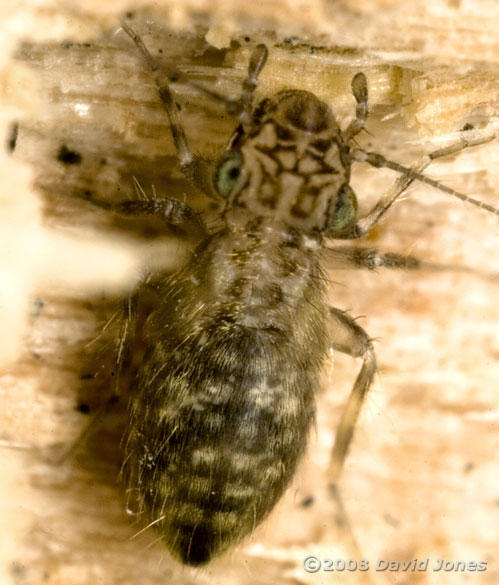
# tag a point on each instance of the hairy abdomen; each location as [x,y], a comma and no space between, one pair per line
[222,413]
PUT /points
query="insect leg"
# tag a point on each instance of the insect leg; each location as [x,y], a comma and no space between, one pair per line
[359,90]
[408,175]
[175,213]
[348,257]
[240,108]
[197,169]
[350,338]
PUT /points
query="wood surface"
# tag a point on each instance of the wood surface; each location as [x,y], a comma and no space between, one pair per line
[421,479]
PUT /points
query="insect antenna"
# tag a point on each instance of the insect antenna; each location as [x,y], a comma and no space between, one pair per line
[379,161]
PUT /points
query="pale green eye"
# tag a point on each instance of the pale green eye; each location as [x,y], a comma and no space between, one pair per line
[227,173]
[345,211]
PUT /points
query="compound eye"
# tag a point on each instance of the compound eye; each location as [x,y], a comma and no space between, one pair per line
[227,173]
[344,211]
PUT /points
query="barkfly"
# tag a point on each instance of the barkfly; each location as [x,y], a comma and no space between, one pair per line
[224,398]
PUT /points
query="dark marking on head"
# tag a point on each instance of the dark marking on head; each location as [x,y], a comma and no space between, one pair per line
[305,202]
[283,133]
[258,113]
[305,113]
[321,145]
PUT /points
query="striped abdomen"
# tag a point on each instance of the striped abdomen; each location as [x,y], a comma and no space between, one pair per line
[222,414]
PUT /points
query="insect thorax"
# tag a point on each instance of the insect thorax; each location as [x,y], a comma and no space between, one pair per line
[295,163]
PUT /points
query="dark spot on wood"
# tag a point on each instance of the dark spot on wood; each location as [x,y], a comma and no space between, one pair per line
[307,502]
[12,137]
[68,157]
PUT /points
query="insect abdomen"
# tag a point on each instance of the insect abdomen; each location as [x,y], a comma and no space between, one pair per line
[220,421]
[214,455]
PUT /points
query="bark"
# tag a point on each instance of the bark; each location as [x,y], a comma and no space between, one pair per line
[79,105]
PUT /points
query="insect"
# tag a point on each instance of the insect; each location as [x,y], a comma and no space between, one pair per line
[225,396]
